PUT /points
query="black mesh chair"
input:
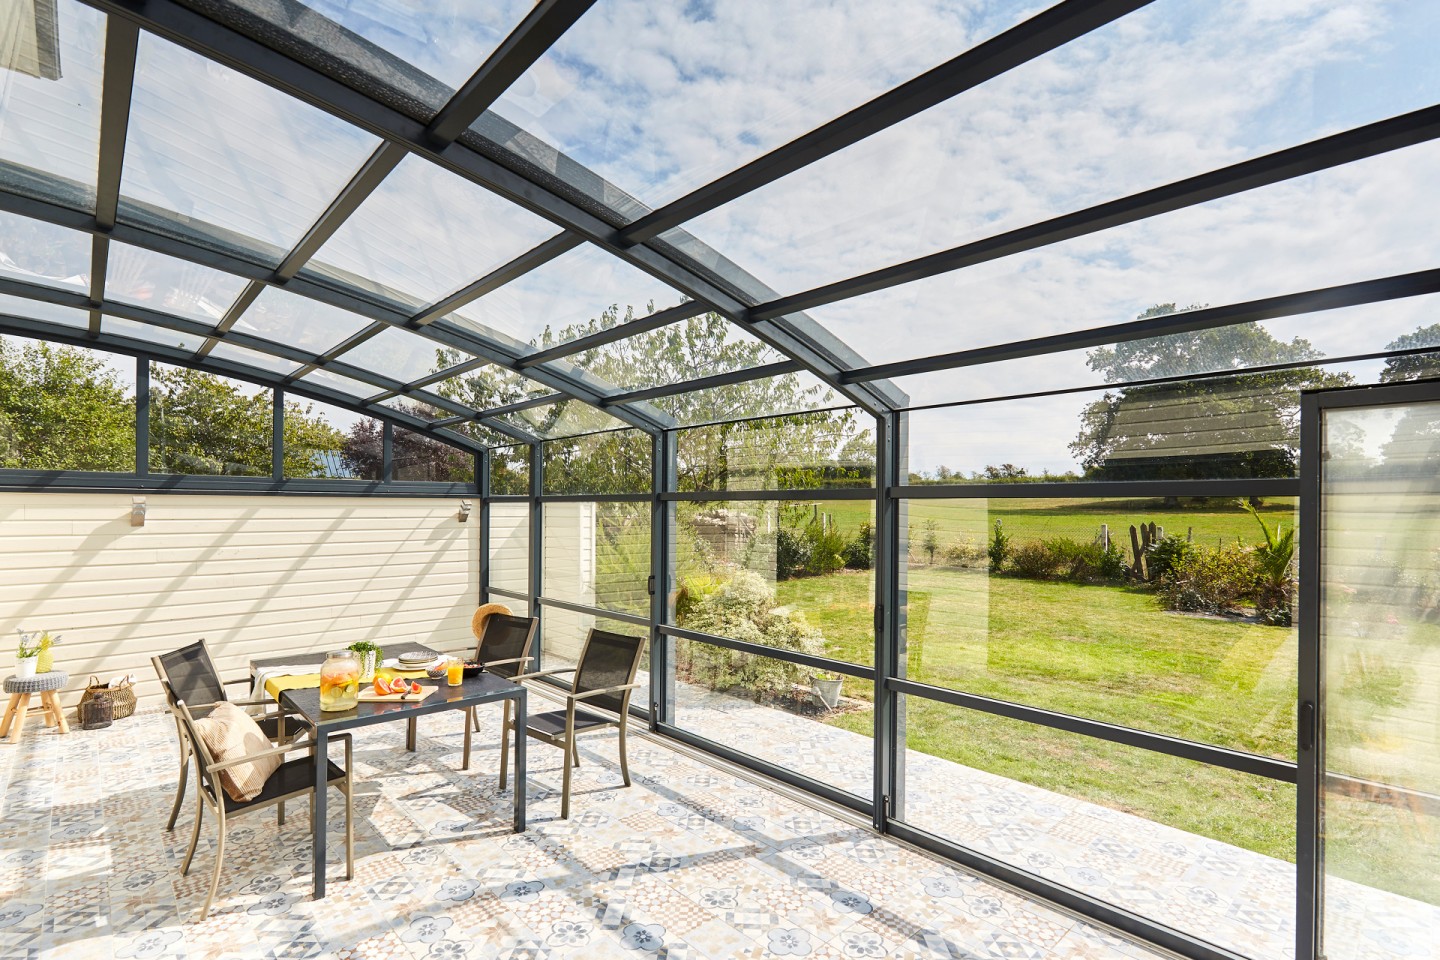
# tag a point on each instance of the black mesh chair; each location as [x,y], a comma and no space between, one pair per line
[189,673]
[604,679]
[294,778]
[504,650]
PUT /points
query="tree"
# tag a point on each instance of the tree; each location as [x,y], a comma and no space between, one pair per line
[62,408]
[1415,438]
[1241,425]
[1415,366]
[416,456]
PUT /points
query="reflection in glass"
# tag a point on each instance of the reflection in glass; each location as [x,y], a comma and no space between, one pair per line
[510,470]
[234,163]
[418,457]
[1076,605]
[1381,658]
[41,310]
[788,574]
[768,709]
[616,461]
[201,423]
[508,546]
[329,443]
[254,358]
[170,285]
[402,355]
[598,555]
[43,253]
[828,449]
[564,638]
[567,418]
[1200,849]
[299,321]
[50,99]
[148,332]
[43,385]
[355,388]
[424,233]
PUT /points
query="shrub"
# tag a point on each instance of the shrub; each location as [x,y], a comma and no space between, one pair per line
[744,609]
[1275,590]
[859,553]
[792,553]
[1034,561]
[965,553]
[1164,554]
[827,548]
[1086,562]
[999,549]
[1113,566]
[1213,581]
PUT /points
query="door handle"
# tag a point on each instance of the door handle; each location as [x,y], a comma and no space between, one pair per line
[1305,726]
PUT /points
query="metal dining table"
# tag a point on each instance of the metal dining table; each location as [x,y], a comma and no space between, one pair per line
[472,692]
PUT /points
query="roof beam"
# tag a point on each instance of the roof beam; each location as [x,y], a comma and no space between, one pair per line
[621,331]
[1269,308]
[1368,141]
[1039,35]
[224,44]
[708,383]
[537,256]
[122,39]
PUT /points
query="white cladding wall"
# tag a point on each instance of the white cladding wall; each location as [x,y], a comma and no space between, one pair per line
[254,576]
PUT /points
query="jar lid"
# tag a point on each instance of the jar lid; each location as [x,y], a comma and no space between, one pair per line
[342,653]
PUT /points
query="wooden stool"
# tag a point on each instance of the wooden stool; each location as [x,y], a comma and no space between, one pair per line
[46,685]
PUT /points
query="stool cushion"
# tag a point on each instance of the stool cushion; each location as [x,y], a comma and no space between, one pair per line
[54,680]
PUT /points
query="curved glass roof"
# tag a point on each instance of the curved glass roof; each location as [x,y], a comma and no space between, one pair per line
[518,222]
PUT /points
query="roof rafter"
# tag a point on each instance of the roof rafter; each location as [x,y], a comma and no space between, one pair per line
[122,40]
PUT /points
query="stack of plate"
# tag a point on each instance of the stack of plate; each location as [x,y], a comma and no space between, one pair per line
[416,660]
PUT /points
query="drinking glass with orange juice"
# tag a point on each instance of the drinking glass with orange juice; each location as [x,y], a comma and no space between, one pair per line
[454,671]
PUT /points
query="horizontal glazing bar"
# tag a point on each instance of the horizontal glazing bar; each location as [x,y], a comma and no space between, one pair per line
[595,611]
[774,653]
[596,497]
[512,594]
[1281,770]
[806,494]
[1265,487]
[68,481]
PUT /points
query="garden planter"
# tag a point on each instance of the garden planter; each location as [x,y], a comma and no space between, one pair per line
[25,667]
[368,662]
[828,691]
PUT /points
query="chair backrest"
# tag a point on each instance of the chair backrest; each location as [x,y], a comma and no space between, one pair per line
[191,675]
[506,637]
[185,724]
[608,660]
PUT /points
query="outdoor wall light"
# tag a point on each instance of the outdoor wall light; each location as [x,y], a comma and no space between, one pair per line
[137,511]
[464,513]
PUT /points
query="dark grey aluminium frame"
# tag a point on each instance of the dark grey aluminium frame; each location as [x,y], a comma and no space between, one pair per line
[1309,907]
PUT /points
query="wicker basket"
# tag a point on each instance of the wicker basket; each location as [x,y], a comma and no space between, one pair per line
[122,698]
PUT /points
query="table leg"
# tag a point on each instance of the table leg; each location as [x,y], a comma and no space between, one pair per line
[317,824]
[520,769]
[410,735]
[469,715]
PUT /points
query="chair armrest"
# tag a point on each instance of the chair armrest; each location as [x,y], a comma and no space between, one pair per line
[233,680]
[576,697]
[276,751]
[501,663]
[544,673]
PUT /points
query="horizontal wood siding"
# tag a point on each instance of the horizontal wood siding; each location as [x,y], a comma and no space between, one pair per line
[254,576]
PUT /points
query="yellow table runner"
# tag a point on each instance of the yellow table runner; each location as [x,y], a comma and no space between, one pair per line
[299,681]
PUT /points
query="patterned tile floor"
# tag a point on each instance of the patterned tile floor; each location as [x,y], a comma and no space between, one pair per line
[691,862]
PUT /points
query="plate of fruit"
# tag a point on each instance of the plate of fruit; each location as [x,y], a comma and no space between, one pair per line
[396,689]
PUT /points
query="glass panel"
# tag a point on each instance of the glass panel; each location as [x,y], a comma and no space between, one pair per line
[617,461]
[1183,628]
[65,408]
[1165,93]
[489,386]
[299,321]
[662,98]
[782,394]
[50,100]
[402,355]
[768,709]
[788,574]
[1200,849]
[1381,795]
[355,388]
[831,449]
[598,555]
[1350,223]
[564,419]
[43,253]
[148,332]
[227,160]
[699,347]
[581,292]
[178,287]
[26,308]
[1369,328]
[201,423]
[425,233]
[510,471]
[508,546]
[329,443]
[418,457]
[254,358]
[564,634]
[1216,428]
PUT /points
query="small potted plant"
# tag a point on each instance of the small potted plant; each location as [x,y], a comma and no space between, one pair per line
[826,687]
[34,648]
[369,656]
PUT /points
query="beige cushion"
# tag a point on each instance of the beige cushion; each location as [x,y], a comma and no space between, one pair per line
[230,733]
